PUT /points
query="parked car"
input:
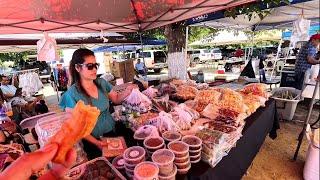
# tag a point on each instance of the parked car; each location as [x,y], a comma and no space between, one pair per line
[154,60]
[216,54]
[199,55]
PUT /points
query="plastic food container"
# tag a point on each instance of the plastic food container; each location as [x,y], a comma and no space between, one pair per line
[118,162]
[129,170]
[134,155]
[130,166]
[146,171]
[182,159]
[172,176]
[195,159]
[184,171]
[194,142]
[164,158]
[153,143]
[169,136]
[183,165]
[179,148]
[195,153]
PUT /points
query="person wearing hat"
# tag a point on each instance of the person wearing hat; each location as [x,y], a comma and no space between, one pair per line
[305,59]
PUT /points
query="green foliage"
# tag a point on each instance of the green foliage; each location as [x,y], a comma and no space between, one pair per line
[15,56]
[253,10]
[197,32]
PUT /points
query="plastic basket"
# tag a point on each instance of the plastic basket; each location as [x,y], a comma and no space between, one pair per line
[286,107]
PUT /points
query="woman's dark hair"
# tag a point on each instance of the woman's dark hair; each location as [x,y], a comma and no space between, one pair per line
[78,57]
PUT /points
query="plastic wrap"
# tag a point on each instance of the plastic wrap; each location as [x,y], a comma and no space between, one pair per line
[165,122]
[185,92]
[258,89]
[204,97]
[183,116]
[150,92]
[115,146]
[137,102]
[146,131]
[165,88]
[163,104]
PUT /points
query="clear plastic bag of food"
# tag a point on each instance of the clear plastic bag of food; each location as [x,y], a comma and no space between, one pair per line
[137,102]
[150,92]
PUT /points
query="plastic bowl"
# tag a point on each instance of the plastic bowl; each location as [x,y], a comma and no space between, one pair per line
[181,159]
[183,165]
[195,153]
[118,162]
[194,142]
[134,155]
[184,171]
[195,159]
[154,150]
[129,170]
[164,158]
[153,143]
[179,148]
[146,170]
[172,176]
[171,136]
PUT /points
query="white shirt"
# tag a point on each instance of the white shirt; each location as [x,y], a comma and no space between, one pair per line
[140,66]
[8,89]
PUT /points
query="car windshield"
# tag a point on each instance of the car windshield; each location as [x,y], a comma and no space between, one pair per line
[206,51]
[145,54]
[216,51]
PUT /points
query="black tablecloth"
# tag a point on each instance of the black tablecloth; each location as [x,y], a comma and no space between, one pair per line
[233,166]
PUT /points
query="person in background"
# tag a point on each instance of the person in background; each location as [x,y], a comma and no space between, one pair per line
[14,96]
[29,163]
[141,68]
[305,59]
[262,74]
[94,91]
[239,53]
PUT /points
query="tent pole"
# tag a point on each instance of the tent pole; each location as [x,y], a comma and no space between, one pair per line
[306,122]
[186,48]
[141,43]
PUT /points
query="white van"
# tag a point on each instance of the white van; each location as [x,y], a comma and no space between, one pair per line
[199,55]
[216,54]
[154,60]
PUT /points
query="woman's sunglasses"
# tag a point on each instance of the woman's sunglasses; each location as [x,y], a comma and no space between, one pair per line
[90,66]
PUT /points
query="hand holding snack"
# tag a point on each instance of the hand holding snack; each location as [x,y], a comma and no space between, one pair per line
[81,124]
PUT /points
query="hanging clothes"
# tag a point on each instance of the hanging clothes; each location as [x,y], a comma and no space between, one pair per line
[30,83]
[61,78]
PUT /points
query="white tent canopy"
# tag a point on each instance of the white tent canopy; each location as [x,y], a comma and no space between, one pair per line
[280,17]
[226,37]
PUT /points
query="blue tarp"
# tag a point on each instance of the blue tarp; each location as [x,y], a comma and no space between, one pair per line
[220,14]
[313,30]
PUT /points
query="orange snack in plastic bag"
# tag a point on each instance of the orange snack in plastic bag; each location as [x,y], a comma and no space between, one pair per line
[81,124]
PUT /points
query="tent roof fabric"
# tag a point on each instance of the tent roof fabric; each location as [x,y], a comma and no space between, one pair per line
[34,16]
[280,17]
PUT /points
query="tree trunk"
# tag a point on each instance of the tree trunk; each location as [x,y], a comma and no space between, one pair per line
[176,40]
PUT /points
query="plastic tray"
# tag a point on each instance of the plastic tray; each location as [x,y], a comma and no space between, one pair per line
[80,170]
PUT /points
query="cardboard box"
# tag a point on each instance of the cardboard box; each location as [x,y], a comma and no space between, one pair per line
[124,69]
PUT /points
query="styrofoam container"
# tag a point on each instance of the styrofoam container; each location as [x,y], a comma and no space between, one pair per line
[286,107]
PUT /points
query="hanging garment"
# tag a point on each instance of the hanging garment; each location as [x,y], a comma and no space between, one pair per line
[61,78]
[30,83]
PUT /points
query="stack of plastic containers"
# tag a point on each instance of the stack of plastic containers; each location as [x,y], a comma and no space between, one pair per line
[164,158]
[169,136]
[182,158]
[152,144]
[118,162]
[195,147]
[132,157]
[146,171]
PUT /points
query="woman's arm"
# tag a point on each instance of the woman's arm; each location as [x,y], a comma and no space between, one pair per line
[117,98]
[95,141]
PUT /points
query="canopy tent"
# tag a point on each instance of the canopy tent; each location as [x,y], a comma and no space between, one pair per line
[280,17]
[230,37]
[313,30]
[34,16]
